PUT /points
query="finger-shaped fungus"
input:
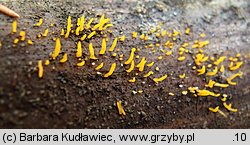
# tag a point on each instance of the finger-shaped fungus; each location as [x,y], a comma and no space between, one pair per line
[14,26]
[104,46]
[131,68]
[99,66]
[91,52]
[157,80]
[57,49]
[111,70]
[40,68]
[131,57]
[79,49]
[120,108]
[64,58]
[113,45]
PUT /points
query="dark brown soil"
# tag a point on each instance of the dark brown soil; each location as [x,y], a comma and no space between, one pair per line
[71,97]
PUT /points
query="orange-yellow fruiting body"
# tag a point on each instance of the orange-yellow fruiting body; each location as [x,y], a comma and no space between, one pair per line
[132,80]
[238,64]
[91,52]
[229,80]
[222,68]
[229,107]
[148,74]
[83,37]
[64,58]
[111,70]
[141,64]
[104,46]
[47,62]
[134,34]
[16,40]
[214,72]
[62,32]
[40,22]
[99,66]
[157,80]
[45,33]
[181,58]
[30,42]
[202,70]
[120,108]
[113,45]
[14,26]
[202,93]
[79,49]
[82,63]
[214,109]
[221,59]
[91,34]
[22,35]
[40,69]
[131,57]
[122,38]
[150,64]
[68,27]
[57,49]
[89,23]
[221,85]
[182,76]
[131,68]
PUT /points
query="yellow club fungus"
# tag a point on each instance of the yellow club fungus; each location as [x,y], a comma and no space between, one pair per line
[62,32]
[148,74]
[157,80]
[202,35]
[82,23]
[204,59]
[91,34]
[142,36]
[182,76]
[221,59]
[164,33]
[168,53]
[157,35]
[111,70]
[212,73]
[134,34]
[16,40]
[221,85]
[122,38]
[14,26]
[106,26]
[131,68]
[210,84]
[113,45]
[146,38]
[202,70]
[150,64]
[1,44]
[103,50]
[184,92]
[229,107]
[159,57]
[187,31]
[238,64]
[222,68]
[22,35]
[131,57]
[120,108]
[89,23]
[192,89]
[91,52]
[79,49]
[202,93]
[141,64]
[229,80]
[68,27]
[214,109]
[64,58]
[99,66]
[171,94]
[57,49]
[47,62]
[40,22]
[132,80]
[83,37]
[29,42]
[82,63]
[181,58]
[45,33]
[40,68]
[78,31]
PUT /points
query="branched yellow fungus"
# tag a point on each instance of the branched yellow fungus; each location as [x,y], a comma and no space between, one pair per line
[238,64]
[22,35]
[204,59]
[113,45]
[202,93]
[229,107]
[62,32]
[157,80]
[14,26]
[83,37]
[120,108]
[16,40]
[221,59]
[64,58]
[122,38]
[214,109]
[40,22]
[45,33]
[68,27]
[40,68]
[229,80]
[111,70]
[131,57]
[222,68]
[89,23]
[134,34]
[141,64]
[181,58]
[192,89]
[202,70]
[57,49]
[29,42]
[82,63]
[99,66]
[91,34]
[47,62]
[150,64]
[148,74]
[91,52]
[132,80]
[182,76]
[214,72]
[103,50]
[79,49]
[210,84]
[82,23]
[221,85]
[131,68]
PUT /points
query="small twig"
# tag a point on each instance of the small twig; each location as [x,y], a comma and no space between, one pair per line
[8,12]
